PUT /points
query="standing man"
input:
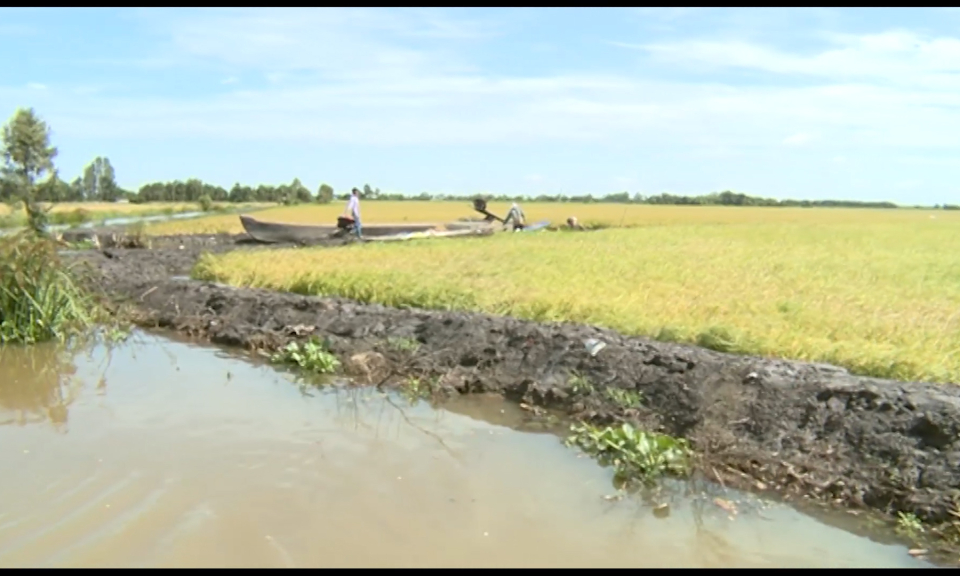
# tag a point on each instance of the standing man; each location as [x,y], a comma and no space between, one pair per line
[353,211]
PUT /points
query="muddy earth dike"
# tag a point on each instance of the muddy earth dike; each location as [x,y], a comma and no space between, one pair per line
[800,429]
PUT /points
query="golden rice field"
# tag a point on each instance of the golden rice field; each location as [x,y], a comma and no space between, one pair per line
[875,291]
[607,214]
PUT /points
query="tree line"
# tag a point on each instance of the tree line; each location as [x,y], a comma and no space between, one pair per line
[295,192]
[98,183]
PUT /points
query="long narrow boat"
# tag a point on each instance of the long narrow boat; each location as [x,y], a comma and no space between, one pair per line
[273,232]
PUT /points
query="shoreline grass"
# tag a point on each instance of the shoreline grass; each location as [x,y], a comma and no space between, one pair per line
[879,298]
[39,299]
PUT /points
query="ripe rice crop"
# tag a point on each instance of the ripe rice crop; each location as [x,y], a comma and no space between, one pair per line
[877,292]
[591,215]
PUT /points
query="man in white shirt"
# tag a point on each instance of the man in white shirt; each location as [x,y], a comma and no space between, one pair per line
[353,211]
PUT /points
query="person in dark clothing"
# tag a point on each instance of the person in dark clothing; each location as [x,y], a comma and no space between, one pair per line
[516,216]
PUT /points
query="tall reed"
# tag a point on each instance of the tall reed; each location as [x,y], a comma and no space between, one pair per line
[39,298]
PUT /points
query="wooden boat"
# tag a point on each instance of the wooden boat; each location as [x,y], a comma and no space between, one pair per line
[273,232]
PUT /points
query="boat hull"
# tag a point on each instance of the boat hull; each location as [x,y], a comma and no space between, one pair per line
[277,233]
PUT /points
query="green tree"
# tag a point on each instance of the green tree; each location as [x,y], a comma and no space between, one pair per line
[53,189]
[99,181]
[298,193]
[240,193]
[27,156]
[325,194]
[76,190]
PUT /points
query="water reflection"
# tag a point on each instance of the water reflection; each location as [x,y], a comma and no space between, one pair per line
[194,458]
[37,384]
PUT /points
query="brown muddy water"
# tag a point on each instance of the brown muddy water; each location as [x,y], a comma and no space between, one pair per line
[160,453]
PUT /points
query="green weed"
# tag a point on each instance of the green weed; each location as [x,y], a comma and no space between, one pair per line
[636,455]
[909,524]
[116,334]
[416,388]
[403,344]
[580,384]
[623,398]
[311,356]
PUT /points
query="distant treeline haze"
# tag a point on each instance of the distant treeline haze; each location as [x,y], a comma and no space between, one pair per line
[98,184]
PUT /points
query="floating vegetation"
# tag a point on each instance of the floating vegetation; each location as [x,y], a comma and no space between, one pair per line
[636,455]
[311,356]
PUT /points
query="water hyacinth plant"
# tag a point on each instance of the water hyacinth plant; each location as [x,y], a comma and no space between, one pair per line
[636,455]
[311,356]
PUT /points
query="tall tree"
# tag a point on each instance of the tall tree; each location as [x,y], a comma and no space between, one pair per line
[99,181]
[53,189]
[76,190]
[298,193]
[325,194]
[27,156]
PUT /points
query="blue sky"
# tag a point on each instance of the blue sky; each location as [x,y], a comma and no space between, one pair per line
[799,103]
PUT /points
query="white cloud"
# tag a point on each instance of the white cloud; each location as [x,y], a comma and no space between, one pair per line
[894,88]
[406,77]
[898,57]
[443,109]
[343,43]
[36,86]
[230,80]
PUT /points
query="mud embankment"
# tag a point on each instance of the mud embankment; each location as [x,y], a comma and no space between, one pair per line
[800,429]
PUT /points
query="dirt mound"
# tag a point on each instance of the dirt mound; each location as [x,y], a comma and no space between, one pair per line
[800,428]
